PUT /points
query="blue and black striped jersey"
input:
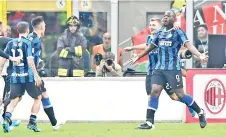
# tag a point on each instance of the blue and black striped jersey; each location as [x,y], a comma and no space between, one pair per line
[152,56]
[36,47]
[169,43]
[20,47]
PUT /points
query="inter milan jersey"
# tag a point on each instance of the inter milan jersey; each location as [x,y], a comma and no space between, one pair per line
[36,47]
[20,47]
[152,57]
[169,43]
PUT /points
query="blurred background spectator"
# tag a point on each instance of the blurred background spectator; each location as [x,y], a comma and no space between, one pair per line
[107,68]
[201,44]
[104,48]
[95,23]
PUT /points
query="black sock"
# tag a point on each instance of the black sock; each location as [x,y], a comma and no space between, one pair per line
[6,103]
[7,117]
[150,115]
[195,107]
[4,111]
[50,113]
[32,119]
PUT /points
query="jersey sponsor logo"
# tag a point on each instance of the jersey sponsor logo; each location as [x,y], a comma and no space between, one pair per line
[19,75]
[165,43]
[214,96]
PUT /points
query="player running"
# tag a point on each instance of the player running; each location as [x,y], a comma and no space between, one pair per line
[24,76]
[38,25]
[155,24]
[168,69]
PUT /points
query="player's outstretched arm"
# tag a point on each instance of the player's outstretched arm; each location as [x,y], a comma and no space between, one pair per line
[142,54]
[192,48]
[194,51]
[147,50]
[139,47]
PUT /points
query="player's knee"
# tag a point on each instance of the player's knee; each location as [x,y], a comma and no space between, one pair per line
[20,99]
[37,101]
[174,97]
[45,95]
[180,94]
[149,97]
[14,101]
[156,90]
[39,98]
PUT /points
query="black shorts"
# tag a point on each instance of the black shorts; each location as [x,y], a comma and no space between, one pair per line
[18,90]
[7,85]
[173,77]
[148,86]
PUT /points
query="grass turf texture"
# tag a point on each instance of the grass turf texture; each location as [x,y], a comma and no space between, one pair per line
[120,130]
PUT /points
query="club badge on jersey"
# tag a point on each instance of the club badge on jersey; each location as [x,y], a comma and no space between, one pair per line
[166,37]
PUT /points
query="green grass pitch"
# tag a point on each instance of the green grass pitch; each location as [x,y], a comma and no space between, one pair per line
[120,130]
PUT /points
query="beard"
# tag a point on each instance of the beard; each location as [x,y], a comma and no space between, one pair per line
[107,47]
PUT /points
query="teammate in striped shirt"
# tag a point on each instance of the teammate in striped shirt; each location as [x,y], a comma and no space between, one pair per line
[38,25]
[24,76]
[155,24]
[5,97]
[168,68]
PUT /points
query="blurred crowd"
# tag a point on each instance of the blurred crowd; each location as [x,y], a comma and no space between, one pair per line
[81,46]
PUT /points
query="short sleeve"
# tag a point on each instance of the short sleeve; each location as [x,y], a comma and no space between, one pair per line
[182,37]
[148,41]
[155,40]
[29,49]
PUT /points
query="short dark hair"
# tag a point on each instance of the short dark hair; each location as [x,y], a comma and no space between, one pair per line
[36,21]
[22,27]
[203,26]
[172,13]
[1,22]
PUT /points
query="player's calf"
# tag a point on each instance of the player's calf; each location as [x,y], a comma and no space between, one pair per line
[173,96]
[32,125]
[152,107]
[48,108]
[188,100]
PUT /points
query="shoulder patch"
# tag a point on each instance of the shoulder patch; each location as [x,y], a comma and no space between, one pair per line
[31,38]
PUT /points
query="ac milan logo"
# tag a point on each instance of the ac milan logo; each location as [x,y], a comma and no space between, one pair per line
[214,96]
